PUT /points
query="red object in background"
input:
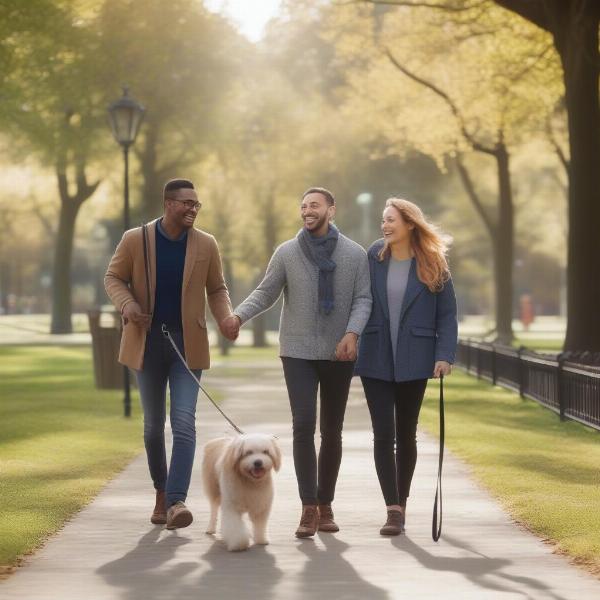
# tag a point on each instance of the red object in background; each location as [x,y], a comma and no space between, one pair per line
[527,314]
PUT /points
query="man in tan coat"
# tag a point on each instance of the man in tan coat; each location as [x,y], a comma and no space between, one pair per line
[162,274]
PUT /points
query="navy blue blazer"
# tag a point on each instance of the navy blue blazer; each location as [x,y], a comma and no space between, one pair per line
[427,333]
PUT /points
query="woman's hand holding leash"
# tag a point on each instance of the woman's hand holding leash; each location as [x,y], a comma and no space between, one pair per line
[441,367]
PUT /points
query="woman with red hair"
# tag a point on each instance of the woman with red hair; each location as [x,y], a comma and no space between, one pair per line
[411,336]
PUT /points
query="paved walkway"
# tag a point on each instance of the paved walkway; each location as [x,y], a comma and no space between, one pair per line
[110,550]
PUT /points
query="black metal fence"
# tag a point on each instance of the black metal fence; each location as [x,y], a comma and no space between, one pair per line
[572,390]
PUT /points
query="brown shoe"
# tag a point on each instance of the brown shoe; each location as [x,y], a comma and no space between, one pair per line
[178,515]
[394,524]
[159,514]
[309,521]
[326,522]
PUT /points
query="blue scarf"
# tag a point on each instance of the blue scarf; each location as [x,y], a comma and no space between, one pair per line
[318,250]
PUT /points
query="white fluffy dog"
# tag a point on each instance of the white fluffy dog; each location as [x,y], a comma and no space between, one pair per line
[237,477]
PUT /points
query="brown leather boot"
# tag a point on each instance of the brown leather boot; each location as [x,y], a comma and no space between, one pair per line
[394,524]
[309,521]
[326,522]
[159,514]
[179,515]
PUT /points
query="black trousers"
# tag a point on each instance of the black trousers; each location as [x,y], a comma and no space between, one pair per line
[394,408]
[317,479]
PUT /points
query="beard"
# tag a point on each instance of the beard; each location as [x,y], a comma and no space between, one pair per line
[320,222]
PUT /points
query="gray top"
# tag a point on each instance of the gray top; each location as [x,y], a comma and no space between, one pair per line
[305,332]
[397,278]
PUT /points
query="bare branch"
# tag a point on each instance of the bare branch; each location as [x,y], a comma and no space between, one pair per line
[558,148]
[446,5]
[44,220]
[474,197]
[63,185]
[84,190]
[528,67]
[479,147]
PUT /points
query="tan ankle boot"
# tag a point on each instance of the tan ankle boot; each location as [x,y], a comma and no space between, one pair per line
[326,522]
[309,521]
[159,514]
[394,524]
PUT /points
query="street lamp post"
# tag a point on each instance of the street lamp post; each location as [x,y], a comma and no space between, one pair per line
[125,116]
[364,201]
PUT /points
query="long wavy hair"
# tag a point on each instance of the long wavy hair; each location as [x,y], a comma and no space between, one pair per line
[428,243]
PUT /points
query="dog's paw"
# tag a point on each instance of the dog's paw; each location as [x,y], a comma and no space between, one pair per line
[211,527]
[261,541]
[238,546]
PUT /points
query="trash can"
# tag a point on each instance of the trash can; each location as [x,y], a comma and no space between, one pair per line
[105,346]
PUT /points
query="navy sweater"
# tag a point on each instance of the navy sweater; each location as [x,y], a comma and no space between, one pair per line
[170,259]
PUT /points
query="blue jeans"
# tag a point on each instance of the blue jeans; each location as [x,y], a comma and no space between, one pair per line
[162,365]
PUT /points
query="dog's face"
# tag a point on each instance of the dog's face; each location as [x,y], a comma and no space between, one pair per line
[254,455]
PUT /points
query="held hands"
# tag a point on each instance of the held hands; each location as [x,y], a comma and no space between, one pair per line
[442,367]
[230,327]
[133,312]
[346,348]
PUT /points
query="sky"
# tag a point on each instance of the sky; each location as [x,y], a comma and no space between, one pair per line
[251,16]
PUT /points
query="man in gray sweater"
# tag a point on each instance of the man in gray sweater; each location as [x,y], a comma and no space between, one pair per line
[325,281]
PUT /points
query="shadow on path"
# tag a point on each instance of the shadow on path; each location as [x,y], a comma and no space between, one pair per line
[481,570]
[238,575]
[327,574]
[141,573]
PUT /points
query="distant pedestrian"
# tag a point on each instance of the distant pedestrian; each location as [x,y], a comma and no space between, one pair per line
[411,336]
[526,310]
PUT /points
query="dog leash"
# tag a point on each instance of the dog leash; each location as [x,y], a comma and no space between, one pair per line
[436,527]
[166,333]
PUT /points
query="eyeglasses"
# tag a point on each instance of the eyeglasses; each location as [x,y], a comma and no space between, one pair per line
[189,203]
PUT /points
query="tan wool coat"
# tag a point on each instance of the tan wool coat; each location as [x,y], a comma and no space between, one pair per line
[125,282]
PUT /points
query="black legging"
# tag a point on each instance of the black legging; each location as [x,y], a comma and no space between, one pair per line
[394,409]
[302,378]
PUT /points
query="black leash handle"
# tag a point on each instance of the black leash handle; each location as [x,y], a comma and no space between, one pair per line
[436,527]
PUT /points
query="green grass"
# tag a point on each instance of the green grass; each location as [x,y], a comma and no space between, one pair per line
[539,345]
[60,441]
[545,472]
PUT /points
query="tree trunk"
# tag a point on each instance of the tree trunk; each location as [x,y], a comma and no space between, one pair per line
[61,270]
[578,50]
[501,232]
[504,249]
[259,329]
[574,25]
[259,332]
[4,286]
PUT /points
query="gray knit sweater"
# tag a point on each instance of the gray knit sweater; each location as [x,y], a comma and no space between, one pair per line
[304,332]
